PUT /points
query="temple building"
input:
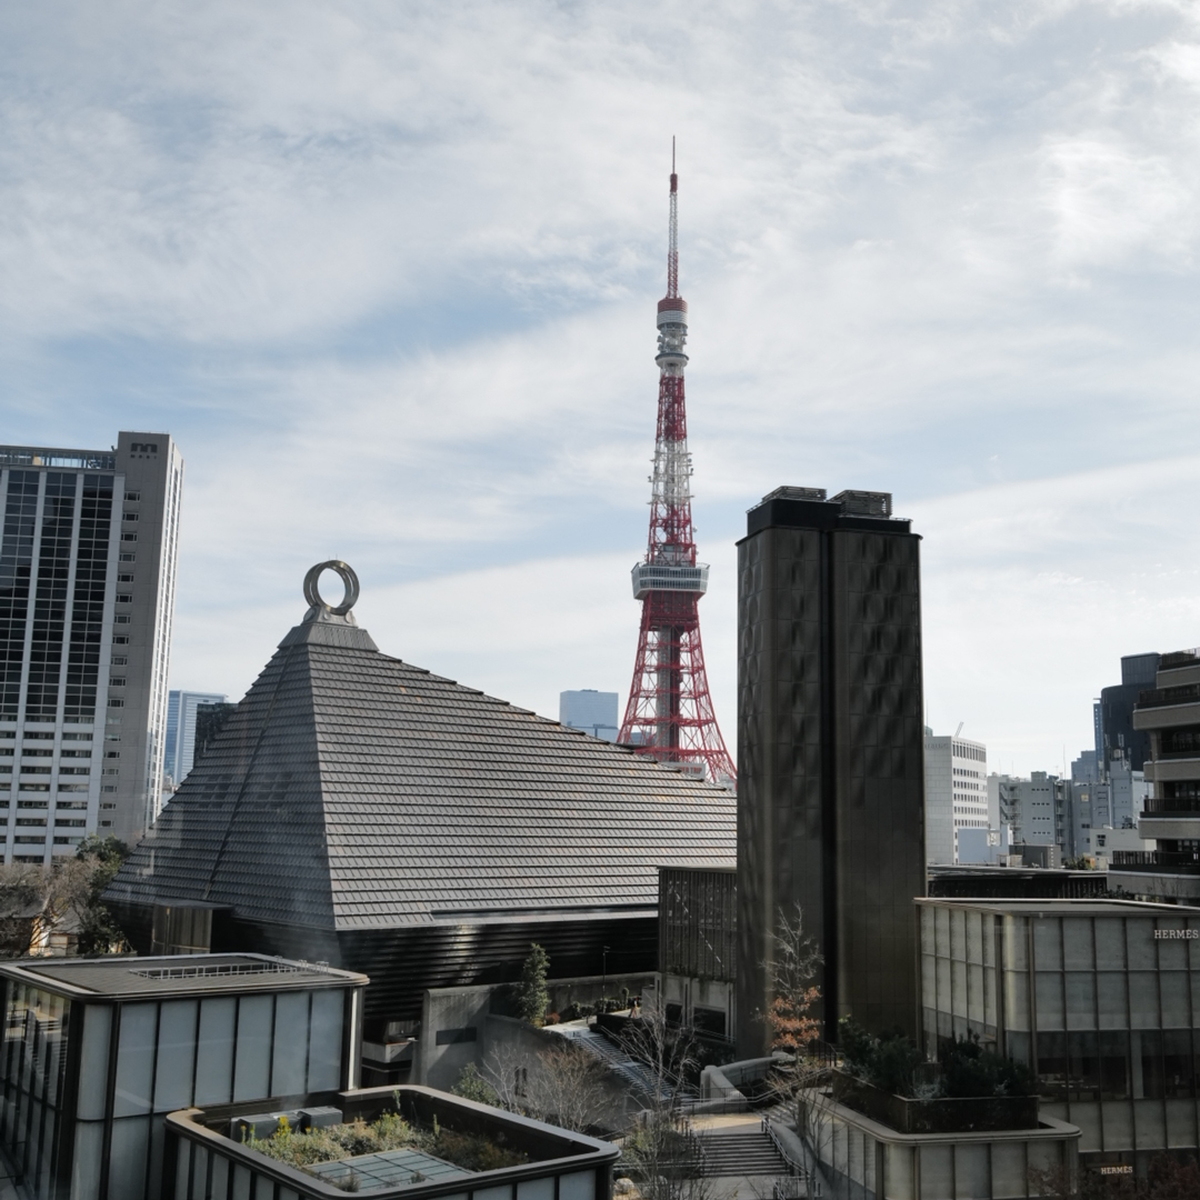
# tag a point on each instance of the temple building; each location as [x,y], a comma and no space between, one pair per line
[363,812]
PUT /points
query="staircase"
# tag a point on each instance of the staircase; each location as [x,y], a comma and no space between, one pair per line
[740,1153]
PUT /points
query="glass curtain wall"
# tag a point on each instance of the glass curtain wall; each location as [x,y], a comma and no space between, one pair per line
[140,1060]
[33,1081]
[1106,1009]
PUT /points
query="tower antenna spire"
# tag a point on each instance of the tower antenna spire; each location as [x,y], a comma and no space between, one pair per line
[670,712]
[673,234]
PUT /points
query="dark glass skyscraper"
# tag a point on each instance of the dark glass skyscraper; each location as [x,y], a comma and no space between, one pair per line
[830,752]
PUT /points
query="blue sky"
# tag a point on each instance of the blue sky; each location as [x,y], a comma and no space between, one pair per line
[388,273]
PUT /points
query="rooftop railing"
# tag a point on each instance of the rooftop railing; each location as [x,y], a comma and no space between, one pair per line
[78,460]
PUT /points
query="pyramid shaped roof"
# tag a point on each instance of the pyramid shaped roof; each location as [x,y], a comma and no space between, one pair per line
[352,791]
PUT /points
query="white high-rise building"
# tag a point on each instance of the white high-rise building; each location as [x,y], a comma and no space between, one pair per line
[87,598]
[956,795]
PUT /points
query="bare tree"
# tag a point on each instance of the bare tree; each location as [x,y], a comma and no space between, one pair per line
[662,1149]
[559,1083]
[795,1028]
[799,1080]
[570,1088]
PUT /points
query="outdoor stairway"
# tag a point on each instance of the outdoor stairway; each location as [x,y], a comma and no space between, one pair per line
[740,1153]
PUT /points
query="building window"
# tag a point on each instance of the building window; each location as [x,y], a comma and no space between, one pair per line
[128,556]
[116,702]
[129,537]
[122,639]
[123,619]
[133,495]
[117,681]
[129,516]
[451,1037]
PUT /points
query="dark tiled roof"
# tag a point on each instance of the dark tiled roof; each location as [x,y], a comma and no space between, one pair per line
[178,974]
[350,790]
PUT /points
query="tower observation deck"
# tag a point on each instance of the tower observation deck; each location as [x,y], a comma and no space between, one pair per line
[670,713]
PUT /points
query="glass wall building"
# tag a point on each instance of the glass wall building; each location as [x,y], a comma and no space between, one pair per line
[87,596]
[97,1051]
[592,711]
[1100,997]
[181,731]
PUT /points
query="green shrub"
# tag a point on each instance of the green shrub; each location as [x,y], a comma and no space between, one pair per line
[966,1069]
[472,1086]
[970,1069]
[533,997]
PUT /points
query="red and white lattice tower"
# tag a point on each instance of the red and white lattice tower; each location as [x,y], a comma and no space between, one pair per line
[670,713]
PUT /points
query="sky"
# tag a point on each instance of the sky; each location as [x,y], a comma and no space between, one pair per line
[388,273]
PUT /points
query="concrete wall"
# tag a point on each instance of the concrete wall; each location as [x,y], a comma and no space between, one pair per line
[860,1159]
[456,1028]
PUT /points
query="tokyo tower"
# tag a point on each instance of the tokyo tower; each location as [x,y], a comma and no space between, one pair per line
[670,713]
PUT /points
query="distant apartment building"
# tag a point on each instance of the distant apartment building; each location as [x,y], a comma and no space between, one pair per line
[181,731]
[1039,811]
[592,711]
[1169,715]
[956,793]
[87,596]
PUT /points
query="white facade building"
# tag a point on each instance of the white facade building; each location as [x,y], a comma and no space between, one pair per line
[87,599]
[956,795]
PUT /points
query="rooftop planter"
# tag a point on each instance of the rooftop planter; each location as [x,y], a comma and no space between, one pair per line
[945,1115]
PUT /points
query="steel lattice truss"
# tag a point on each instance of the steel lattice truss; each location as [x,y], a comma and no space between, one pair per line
[670,713]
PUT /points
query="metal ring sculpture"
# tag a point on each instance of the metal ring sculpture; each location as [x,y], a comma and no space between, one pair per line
[350,581]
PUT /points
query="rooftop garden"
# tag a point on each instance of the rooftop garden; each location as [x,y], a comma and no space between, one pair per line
[970,1087]
[433,1151]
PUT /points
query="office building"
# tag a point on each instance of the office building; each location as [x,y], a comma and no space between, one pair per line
[1168,715]
[1117,739]
[98,1051]
[1098,997]
[181,732]
[87,595]
[592,711]
[1038,811]
[956,794]
[831,749]
[357,809]
[140,1079]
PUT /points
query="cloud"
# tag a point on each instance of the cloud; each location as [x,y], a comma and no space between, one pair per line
[388,273]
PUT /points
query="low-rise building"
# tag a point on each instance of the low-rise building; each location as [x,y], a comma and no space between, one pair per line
[697,947]
[1101,998]
[96,1052]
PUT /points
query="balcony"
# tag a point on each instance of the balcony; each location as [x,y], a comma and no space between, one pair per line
[1171,806]
[1163,862]
[1187,693]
